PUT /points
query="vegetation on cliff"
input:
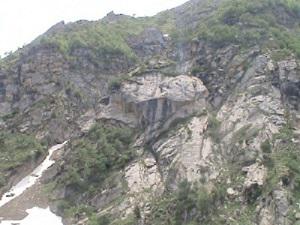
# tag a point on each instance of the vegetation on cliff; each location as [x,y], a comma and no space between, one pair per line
[15,150]
[104,38]
[93,159]
[272,24]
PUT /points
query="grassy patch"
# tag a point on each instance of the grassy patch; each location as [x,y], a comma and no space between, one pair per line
[213,128]
[249,23]
[15,150]
[104,38]
[101,151]
[108,220]
[188,205]
[93,160]
[283,165]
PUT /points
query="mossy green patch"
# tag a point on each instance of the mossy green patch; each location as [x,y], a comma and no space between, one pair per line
[103,38]
[15,150]
[250,23]
[93,160]
[188,205]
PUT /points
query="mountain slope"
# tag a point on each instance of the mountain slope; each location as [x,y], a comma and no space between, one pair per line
[187,117]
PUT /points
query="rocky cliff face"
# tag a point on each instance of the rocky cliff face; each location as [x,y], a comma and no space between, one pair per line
[198,109]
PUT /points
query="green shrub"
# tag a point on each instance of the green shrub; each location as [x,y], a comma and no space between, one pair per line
[115,84]
[130,220]
[213,127]
[15,150]
[291,5]
[137,212]
[266,146]
[94,157]
[197,69]
[101,38]
[108,220]
[188,205]
[63,206]
[249,23]
[220,34]
[280,54]
[285,167]
[102,220]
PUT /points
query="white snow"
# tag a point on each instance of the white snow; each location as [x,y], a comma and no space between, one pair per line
[31,179]
[36,216]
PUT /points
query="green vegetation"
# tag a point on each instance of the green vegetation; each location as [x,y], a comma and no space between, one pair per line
[213,128]
[283,164]
[266,146]
[73,91]
[115,83]
[93,159]
[71,210]
[101,151]
[102,220]
[102,38]
[248,23]
[15,150]
[130,220]
[10,59]
[280,54]
[246,215]
[284,158]
[197,69]
[188,205]
[10,116]
[291,5]
[107,220]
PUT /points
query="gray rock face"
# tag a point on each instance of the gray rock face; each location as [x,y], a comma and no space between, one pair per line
[155,101]
[266,217]
[256,109]
[149,43]
[282,207]
[42,93]
[275,210]
[256,177]
[290,81]
[84,61]
[188,154]
[57,27]
[5,108]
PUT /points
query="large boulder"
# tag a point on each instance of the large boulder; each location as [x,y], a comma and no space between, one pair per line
[153,102]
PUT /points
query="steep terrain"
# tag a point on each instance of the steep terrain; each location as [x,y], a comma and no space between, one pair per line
[188,117]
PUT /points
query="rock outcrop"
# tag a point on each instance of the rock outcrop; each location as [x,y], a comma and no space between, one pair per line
[154,101]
